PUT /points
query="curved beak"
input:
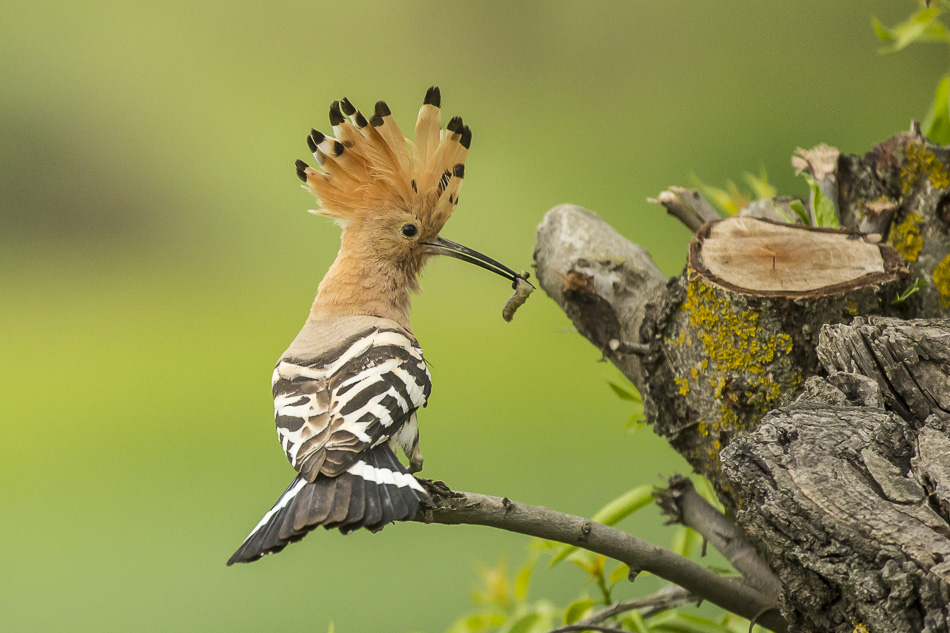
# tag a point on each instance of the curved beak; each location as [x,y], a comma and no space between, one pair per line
[442,246]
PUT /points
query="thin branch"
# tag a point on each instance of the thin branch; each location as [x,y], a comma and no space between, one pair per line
[660,601]
[686,205]
[455,508]
[590,627]
[640,349]
[684,505]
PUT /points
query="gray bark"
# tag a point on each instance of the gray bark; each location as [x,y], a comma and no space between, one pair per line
[849,499]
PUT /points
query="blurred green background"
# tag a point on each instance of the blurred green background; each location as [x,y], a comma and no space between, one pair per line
[156,258]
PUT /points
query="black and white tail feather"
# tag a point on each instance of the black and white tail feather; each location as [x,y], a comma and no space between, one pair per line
[373,492]
[340,410]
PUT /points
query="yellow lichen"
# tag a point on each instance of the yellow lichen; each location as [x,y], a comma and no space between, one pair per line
[905,237]
[736,346]
[941,277]
[729,421]
[785,342]
[922,163]
[860,628]
[683,384]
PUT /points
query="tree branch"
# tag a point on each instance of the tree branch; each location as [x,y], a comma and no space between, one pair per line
[660,601]
[686,205]
[455,508]
[684,505]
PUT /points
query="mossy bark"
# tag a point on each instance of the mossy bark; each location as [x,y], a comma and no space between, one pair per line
[721,360]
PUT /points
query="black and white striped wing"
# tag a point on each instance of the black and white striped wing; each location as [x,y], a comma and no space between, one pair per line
[333,406]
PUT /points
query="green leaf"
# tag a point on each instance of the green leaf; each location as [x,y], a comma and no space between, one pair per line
[625,505]
[782,213]
[585,559]
[635,622]
[523,577]
[636,422]
[825,214]
[683,623]
[919,283]
[923,26]
[577,610]
[524,624]
[707,492]
[631,396]
[723,570]
[523,581]
[616,510]
[738,624]
[883,33]
[686,542]
[799,208]
[621,573]
[936,125]
[761,189]
[477,622]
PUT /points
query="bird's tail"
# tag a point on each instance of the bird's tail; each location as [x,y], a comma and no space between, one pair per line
[375,491]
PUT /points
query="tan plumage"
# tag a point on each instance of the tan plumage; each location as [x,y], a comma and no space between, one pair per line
[402,175]
[427,134]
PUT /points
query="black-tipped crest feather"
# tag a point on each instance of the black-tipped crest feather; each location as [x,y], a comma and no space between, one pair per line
[433,97]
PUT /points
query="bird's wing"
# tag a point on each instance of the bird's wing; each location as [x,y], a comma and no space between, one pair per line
[333,405]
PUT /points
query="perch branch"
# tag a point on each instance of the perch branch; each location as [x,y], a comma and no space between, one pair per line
[456,508]
[684,505]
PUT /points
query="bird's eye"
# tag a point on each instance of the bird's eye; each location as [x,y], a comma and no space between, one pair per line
[409,230]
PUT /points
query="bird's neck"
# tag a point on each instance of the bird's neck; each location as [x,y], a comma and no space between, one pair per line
[359,283]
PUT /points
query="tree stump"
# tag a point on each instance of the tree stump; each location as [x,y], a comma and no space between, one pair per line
[735,335]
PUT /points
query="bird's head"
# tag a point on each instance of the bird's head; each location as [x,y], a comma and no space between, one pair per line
[392,196]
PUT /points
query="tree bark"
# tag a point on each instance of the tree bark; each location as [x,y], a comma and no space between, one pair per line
[832,456]
[849,498]
[724,353]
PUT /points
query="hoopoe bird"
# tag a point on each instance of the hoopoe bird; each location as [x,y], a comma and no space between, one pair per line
[347,390]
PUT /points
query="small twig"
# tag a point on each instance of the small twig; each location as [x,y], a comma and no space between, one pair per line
[686,205]
[623,347]
[590,627]
[454,508]
[656,603]
[684,505]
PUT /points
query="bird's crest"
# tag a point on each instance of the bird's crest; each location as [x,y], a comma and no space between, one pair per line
[369,167]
